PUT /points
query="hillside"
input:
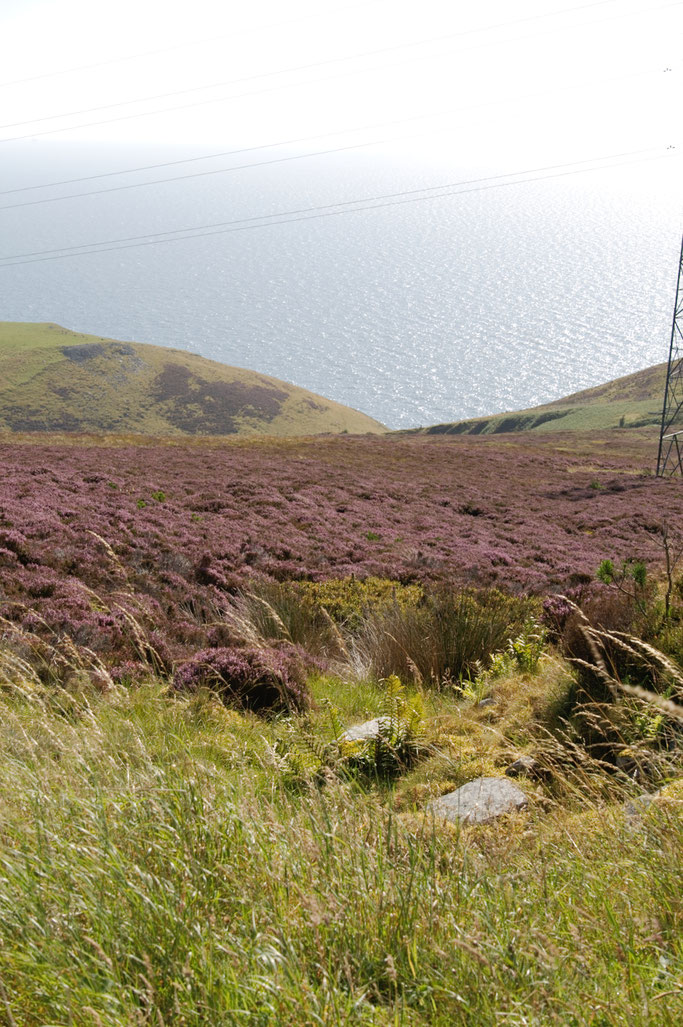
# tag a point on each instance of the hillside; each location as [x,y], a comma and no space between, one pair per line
[58,380]
[634,401]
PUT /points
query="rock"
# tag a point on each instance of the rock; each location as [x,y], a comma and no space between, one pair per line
[479,801]
[670,797]
[635,808]
[488,701]
[634,763]
[366,731]
[524,765]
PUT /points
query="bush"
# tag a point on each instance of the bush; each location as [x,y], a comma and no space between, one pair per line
[257,678]
[607,611]
[348,600]
[448,637]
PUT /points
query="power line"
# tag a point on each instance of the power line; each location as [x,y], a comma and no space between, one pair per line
[185,45]
[291,157]
[284,142]
[330,210]
[290,85]
[228,82]
[213,156]
[281,24]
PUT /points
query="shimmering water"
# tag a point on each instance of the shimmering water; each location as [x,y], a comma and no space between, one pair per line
[431,311]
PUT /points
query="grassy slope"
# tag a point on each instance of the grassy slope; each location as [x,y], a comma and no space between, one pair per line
[58,380]
[630,402]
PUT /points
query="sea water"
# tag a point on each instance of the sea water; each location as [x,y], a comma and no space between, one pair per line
[415,313]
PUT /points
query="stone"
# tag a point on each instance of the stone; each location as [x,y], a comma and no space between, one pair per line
[635,808]
[367,731]
[524,765]
[670,797]
[479,801]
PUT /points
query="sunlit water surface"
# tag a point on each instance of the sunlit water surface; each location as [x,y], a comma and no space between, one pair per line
[423,312]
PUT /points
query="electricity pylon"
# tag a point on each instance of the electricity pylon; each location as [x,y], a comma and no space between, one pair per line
[670,456]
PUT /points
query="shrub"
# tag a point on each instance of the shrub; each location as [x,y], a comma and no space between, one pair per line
[606,611]
[450,636]
[348,600]
[258,678]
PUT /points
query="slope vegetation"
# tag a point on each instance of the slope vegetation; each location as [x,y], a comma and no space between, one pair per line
[58,380]
[634,401]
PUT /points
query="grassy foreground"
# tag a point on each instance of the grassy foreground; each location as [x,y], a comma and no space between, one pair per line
[164,861]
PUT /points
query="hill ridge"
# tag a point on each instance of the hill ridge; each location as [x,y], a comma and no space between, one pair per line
[58,380]
[631,401]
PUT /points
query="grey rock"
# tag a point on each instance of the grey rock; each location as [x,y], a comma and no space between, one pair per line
[479,801]
[635,764]
[524,765]
[366,731]
[635,808]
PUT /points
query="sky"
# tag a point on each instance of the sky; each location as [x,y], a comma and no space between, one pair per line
[509,83]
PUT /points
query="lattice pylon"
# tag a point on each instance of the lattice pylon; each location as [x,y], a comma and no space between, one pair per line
[670,456]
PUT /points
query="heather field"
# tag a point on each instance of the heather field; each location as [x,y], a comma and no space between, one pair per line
[92,533]
[192,835]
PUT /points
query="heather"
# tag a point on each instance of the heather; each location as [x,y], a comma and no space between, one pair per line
[96,539]
[192,833]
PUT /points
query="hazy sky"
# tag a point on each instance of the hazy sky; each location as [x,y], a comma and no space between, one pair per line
[513,81]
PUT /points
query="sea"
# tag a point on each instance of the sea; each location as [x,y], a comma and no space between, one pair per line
[493,295]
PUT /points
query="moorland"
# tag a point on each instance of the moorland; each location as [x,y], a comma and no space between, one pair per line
[191,623]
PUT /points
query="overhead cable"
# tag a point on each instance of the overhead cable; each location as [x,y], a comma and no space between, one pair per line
[281,24]
[333,209]
[288,158]
[269,89]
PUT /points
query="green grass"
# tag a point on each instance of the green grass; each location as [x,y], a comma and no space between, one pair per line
[631,402]
[150,390]
[158,865]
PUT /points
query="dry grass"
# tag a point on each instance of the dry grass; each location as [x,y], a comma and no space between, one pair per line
[159,865]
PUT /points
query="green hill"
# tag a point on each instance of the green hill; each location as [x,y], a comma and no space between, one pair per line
[634,401]
[57,380]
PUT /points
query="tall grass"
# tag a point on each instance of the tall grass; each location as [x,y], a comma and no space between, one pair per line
[155,869]
[445,638]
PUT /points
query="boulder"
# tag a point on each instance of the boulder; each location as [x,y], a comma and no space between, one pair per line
[367,731]
[479,801]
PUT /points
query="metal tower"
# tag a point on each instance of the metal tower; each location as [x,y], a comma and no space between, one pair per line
[670,456]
